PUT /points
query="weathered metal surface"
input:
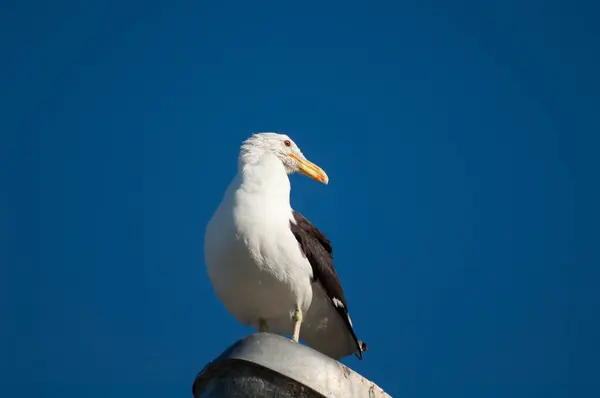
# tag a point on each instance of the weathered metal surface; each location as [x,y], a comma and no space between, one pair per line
[269,365]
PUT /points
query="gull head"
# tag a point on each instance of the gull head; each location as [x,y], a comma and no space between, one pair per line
[285,149]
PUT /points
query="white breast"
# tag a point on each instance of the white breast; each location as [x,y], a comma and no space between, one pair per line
[252,258]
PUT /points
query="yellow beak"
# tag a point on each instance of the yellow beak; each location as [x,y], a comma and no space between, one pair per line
[310,169]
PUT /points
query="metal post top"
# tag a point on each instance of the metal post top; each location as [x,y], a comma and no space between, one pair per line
[285,362]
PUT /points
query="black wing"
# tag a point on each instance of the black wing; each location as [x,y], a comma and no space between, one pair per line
[316,247]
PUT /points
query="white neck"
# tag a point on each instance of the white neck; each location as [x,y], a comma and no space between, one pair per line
[266,176]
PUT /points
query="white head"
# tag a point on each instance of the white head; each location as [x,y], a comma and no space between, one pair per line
[285,150]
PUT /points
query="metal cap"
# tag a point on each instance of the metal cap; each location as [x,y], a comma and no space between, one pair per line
[264,364]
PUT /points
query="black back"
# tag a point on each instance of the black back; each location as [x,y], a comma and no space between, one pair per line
[316,247]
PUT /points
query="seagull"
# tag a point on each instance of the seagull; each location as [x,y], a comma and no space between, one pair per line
[268,264]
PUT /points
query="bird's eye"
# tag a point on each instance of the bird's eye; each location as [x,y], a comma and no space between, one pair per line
[287,143]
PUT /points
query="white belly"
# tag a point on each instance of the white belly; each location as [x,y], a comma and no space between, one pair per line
[257,275]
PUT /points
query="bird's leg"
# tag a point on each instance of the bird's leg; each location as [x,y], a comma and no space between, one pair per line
[262,326]
[297,318]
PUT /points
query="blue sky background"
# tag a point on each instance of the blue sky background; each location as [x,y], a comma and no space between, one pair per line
[461,141]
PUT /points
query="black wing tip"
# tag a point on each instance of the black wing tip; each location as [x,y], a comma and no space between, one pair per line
[362,347]
[343,312]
